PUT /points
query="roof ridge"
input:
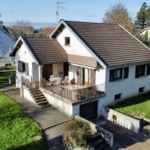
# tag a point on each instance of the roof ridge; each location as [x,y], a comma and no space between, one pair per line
[90,22]
[35,36]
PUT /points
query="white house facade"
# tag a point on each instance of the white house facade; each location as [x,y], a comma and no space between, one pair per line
[142,32]
[92,55]
[7,43]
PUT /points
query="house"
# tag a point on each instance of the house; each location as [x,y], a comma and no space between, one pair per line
[142,32]
[47,31]
[6,45]
[107,63]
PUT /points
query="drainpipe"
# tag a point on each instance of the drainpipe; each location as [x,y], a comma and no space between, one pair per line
[40,74]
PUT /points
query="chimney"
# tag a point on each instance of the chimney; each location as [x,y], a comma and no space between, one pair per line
[1,23]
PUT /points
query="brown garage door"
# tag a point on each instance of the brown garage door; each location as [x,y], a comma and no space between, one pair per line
[89,110]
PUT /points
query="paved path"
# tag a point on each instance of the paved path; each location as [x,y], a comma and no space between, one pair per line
[44,117]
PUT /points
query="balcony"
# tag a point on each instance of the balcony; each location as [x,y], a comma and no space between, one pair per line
[75,93]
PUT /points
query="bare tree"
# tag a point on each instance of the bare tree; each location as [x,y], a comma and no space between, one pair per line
[119,14]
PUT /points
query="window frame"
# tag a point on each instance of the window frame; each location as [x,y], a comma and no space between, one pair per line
[148,70]
[126,72]
[142,90]
[138,67]
[67,38]
[23,67]
[117,95]
[113,72]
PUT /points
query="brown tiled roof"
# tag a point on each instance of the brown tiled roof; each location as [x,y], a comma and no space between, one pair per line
[48,30]
[82,60]
[45,50]
[111,43]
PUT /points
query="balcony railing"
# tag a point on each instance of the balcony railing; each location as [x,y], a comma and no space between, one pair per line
[74,95]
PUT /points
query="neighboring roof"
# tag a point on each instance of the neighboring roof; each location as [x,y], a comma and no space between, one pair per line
[44,49]
[82,60]
[48,30]
[111,43]
[6,31]
[147,28]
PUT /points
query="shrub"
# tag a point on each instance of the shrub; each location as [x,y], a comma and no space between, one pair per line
[77,133]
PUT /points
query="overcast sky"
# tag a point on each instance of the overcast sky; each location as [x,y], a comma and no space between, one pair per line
[78,10]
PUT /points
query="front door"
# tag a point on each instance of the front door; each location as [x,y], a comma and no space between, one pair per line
[86,74]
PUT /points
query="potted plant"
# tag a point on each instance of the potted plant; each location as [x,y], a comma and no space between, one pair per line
[73,81]
[41,86]
[77,98]
[61,88]
[50,84]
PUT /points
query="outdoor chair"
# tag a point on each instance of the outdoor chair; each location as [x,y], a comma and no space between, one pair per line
[58,82]
[66,80]
[51,76]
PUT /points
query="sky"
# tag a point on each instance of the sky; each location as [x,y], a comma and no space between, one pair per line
[44,11]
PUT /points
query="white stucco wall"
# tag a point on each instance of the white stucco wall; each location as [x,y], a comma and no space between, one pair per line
[6,46]
[75,48]
[100,76]
[62,106]
[27,95]
[23,55]
[127,87]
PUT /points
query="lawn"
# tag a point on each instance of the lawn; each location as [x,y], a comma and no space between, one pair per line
[4,76]
[16,129]
[137,108]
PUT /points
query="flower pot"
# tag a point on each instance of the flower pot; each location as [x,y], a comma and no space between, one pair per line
[77,98]
[61,88]
[50,84]
[42,86]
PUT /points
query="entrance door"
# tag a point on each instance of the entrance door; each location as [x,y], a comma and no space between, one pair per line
[47,70]
[66,69]
[86,73]
[89,110]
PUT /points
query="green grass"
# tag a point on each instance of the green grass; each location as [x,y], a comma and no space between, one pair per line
[4,76]
[136,108]
[16,129]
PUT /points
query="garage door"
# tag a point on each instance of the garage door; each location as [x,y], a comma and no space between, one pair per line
[89,110]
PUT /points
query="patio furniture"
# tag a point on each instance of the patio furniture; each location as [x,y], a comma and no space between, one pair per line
[66,80]
[58,81]
[54,79]
[51,76]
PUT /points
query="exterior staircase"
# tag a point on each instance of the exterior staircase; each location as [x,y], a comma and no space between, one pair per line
[39,98]
[99,143]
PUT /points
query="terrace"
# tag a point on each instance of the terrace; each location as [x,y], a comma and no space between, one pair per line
[73,92]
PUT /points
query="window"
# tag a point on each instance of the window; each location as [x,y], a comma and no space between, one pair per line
[23,67]
[67,41]
[0,40]
[141,90]
[118,96]
[126,72]
[1,53]
[115,74]
[140,71]
[7,65]
[148,69]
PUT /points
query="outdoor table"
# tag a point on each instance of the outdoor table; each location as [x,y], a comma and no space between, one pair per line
[54,79]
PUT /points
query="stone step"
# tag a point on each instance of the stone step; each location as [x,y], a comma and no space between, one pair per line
[42,102]
[101,146]
[97,141]
[39,96]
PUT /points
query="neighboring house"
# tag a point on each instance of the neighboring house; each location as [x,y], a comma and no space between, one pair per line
[47,31]
[6,45]
[107,63]
[142,32]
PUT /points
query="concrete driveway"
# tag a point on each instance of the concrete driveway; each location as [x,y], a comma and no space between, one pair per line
[44,117]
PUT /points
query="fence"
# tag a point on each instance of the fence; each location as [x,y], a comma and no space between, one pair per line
[74,95]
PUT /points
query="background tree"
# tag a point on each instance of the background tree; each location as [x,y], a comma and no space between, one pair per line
[145,38]
[119,14]
[143,16]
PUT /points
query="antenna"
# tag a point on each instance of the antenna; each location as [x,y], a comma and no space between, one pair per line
[58,6]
